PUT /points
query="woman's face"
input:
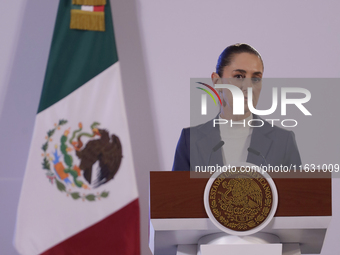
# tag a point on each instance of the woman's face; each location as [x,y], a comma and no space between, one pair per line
[245,70]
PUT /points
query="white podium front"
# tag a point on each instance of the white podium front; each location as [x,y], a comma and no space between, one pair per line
[221,243]
[238,249]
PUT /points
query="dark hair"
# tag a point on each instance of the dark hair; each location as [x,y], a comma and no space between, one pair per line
[226,56]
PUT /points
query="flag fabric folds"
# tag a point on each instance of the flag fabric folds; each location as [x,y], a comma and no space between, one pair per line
[79,194]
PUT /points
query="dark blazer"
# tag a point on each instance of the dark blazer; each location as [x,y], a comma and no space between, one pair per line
[277,145]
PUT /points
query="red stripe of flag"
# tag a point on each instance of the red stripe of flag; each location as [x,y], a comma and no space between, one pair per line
[99,8]
[116,234]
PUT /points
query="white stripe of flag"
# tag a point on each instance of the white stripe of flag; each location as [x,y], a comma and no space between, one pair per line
[87,8]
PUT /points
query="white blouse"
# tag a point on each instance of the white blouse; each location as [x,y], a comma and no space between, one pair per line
[236,136]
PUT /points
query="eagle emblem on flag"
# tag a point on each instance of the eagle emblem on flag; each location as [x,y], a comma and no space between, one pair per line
[81,161]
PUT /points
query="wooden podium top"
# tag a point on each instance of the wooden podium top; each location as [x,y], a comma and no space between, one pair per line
[176,195]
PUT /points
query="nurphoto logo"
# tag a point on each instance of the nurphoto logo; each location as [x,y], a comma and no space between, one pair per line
[239,102]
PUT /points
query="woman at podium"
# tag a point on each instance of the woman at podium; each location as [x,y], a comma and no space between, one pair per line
[240,65]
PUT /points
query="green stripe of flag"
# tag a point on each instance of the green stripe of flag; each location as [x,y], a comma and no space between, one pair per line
[76,7]
[76,56]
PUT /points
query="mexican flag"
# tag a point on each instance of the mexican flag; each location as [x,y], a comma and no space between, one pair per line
[79,194]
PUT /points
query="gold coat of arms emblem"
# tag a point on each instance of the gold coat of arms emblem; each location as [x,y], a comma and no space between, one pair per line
[240,201]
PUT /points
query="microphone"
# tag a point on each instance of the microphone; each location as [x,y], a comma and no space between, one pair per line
[257,153]
[216,148]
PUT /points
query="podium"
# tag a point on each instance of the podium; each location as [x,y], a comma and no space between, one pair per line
[178,219]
